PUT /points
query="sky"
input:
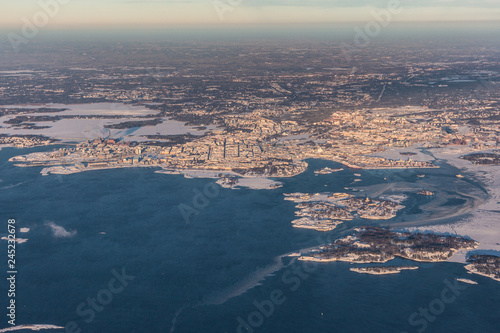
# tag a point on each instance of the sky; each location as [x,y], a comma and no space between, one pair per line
[157,13]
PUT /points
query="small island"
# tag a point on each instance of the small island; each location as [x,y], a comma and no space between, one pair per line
[426,193]
[483,158]
[466,281]
[316,224]
[382,270]
[325,211]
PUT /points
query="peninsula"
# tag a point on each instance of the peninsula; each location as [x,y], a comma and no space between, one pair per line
[486,265]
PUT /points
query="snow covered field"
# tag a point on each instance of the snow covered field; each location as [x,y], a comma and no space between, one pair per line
[85,129]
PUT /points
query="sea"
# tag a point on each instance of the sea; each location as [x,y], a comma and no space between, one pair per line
[131,250]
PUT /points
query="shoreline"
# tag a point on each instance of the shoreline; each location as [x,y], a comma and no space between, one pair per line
[478,225]
[472,270]
[481,221]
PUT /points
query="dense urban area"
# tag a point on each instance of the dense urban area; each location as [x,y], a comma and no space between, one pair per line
[264,110]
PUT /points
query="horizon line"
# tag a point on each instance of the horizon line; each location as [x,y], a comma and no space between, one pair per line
[244,24]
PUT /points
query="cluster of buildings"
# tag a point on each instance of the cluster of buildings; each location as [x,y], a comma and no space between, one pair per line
[24,141]
[253,145]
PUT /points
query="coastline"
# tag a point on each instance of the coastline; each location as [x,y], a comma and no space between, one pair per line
[482,223]
[478,225]
[470,268]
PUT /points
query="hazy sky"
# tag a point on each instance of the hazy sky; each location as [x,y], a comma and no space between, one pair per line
[98,13]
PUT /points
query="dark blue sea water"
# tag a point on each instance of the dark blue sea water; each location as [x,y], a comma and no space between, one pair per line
[209,275]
